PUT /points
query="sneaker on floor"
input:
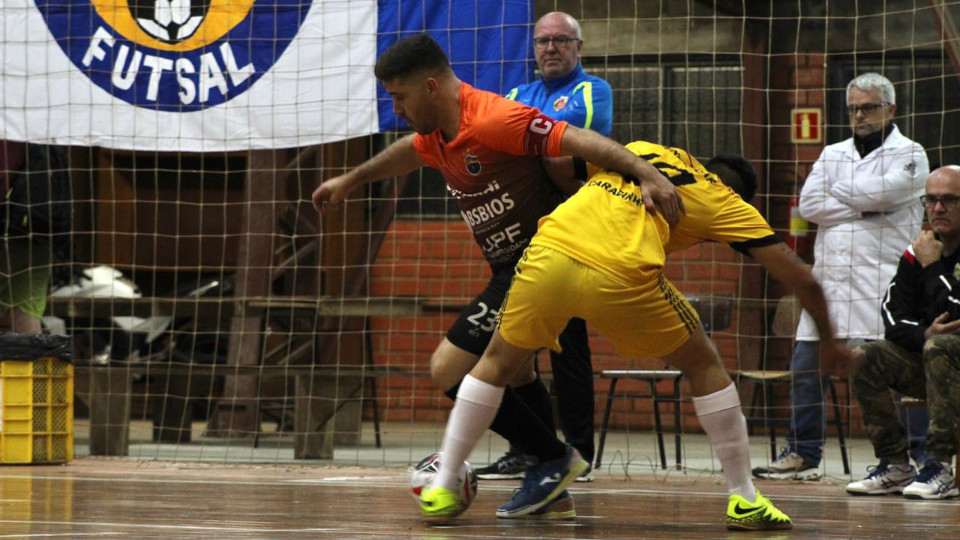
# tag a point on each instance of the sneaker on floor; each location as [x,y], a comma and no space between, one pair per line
[883,479]
[761,515]
[586,475]
[560,508]
[440,502]
[789,466]
[544,483]
[935,481]
[511,465]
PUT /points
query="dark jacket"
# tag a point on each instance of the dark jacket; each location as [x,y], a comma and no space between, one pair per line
[917,295]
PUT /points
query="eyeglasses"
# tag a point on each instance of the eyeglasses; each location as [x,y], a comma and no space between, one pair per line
[558,42]
[866,108]
[949,202]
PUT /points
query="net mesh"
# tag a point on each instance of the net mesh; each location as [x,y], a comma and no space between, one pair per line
[212,306]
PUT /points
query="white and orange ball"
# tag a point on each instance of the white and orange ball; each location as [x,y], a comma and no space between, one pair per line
[425,472]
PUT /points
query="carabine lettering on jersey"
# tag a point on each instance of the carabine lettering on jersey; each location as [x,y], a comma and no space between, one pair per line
[628,196]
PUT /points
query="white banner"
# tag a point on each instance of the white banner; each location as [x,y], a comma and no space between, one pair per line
[187,75]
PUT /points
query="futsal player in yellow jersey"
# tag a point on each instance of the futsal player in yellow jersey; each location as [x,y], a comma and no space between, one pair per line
[599,256]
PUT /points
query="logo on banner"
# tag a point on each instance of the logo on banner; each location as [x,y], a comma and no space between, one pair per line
[168,22]
[174,55]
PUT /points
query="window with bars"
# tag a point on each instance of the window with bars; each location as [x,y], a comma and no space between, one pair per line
[693,105]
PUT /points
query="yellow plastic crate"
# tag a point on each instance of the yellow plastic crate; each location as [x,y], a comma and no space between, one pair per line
[36,411]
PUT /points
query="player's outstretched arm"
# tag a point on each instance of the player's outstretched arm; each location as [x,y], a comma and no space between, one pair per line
[399,158]
[606,153]
[790,270]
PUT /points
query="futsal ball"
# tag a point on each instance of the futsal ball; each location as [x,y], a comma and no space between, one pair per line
[426,472]
[171,21]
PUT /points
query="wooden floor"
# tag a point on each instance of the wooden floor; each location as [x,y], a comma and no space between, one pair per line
[123,498]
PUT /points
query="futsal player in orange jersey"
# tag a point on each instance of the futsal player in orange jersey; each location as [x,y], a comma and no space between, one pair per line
[489,150]
[599,256]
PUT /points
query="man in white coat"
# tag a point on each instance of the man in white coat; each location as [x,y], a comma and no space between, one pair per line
[863,194]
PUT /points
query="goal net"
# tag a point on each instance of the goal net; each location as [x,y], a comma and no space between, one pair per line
[217,315]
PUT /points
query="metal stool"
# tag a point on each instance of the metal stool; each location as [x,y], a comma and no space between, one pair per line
[652,377]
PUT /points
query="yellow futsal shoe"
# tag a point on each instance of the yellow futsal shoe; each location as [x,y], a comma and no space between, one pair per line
[762,515]
[440,502]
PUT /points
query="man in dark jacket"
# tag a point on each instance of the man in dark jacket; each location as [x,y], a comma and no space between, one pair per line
[920,356]
[24,257]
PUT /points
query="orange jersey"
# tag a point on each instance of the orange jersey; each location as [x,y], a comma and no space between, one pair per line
[492,169]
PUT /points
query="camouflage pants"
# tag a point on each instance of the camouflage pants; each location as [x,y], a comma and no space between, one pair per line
[933,375]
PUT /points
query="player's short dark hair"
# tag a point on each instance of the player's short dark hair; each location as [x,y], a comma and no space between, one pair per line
[411,56]
[747,185]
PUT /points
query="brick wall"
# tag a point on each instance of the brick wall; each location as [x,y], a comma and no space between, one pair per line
[797,81]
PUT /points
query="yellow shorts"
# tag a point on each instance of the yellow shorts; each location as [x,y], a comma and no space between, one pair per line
[646,318]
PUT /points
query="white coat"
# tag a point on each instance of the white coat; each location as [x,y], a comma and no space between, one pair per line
[868,211]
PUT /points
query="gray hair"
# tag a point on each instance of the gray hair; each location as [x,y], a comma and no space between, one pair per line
[571,21]
[874,82]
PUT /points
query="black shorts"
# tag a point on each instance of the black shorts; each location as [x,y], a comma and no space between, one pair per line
[474,327]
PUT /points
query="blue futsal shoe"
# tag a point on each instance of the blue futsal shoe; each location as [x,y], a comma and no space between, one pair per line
[543,484]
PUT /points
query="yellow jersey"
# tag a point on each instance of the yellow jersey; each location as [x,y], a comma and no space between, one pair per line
[605,224]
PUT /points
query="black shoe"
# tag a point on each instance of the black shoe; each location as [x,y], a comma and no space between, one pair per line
[511,465]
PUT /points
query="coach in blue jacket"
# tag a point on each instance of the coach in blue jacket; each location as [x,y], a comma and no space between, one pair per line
[564,92]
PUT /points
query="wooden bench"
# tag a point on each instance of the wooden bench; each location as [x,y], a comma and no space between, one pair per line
[222,309]
[111,384]
[111,388]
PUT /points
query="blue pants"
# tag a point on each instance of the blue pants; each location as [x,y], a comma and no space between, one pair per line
[807,420]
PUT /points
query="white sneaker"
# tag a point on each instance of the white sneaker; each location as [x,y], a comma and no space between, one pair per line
[789,466]
[883,479]
[935,481]
[586,475]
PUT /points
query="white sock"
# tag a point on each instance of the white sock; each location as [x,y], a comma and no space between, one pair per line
[722,419]
[476,406]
